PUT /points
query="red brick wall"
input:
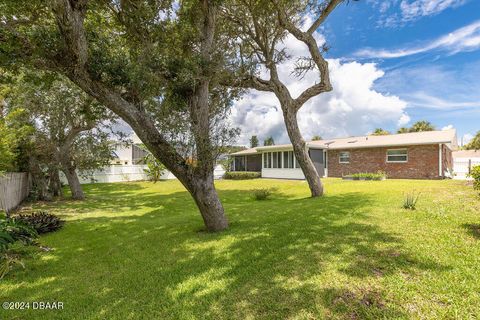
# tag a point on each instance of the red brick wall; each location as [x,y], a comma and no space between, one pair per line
[422,162]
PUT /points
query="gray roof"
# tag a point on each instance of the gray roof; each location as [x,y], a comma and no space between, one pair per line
[448,137]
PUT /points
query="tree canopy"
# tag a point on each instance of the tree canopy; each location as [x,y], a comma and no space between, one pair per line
[269,141]
[418,126]
[380,132]
[316,138]
[253,142]
[474,144]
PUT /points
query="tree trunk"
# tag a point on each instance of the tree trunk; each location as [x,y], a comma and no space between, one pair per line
[207,200]
[55,185]
[301,153]
[39,188]
[74,183]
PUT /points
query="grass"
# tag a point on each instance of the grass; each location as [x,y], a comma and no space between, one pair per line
[138,251]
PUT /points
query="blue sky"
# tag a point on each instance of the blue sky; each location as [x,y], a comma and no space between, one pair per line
[392,62]
[428,61]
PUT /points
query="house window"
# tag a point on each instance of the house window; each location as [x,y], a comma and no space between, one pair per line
[272,160]
[268,160]
[397,155]
[277,160]
[240,163]
[344,157]
[288,159]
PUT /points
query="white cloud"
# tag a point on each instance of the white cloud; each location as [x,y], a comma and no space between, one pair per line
[404,119]
[463,39]
[450,126]
[352,108]
[396,13]
[412,10]
[466,138]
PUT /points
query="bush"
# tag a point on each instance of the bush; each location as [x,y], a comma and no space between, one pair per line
[368,176]
[12,231]
[262,194]
[410,200]
[241,175]
[41,221]
[475,174]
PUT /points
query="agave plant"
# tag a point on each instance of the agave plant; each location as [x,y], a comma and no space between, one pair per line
[41,221]
[410,200]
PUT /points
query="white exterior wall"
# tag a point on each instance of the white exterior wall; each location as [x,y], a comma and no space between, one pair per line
[283,173]
[124,155]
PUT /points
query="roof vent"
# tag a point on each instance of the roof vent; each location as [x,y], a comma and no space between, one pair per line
[353,141]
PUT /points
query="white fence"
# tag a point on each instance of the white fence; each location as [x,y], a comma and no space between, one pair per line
[462,166]
[118,173]
[14,188]
[125,173]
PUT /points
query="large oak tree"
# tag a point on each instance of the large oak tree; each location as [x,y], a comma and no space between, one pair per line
[261,26]
[156,64]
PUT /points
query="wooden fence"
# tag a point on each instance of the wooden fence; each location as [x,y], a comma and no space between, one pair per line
[14,188]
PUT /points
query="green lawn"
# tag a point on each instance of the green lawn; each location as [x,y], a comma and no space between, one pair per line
[137,251]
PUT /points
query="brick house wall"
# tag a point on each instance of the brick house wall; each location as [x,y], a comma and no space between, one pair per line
[422,162]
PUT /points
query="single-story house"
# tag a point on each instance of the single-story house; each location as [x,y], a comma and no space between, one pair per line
[419,155]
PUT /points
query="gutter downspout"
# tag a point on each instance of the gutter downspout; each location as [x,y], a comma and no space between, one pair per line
[440,161]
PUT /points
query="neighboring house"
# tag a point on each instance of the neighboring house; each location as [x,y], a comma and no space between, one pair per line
[419,155]
[464,161]
[131,154]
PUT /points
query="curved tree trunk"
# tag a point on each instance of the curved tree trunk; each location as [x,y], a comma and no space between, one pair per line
[207,200]
[301,153]
[74,183]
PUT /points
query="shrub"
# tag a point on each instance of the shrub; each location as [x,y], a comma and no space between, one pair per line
[155,168]
[41,221]
[241,175]
[410,200]
[262,194]
[475,174]
[369,176]
[12,231]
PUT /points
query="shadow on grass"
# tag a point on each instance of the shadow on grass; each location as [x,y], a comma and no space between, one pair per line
[473,229]
[282,258]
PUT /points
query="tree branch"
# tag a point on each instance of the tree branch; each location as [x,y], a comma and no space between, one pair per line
[331,5]
[309,40]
